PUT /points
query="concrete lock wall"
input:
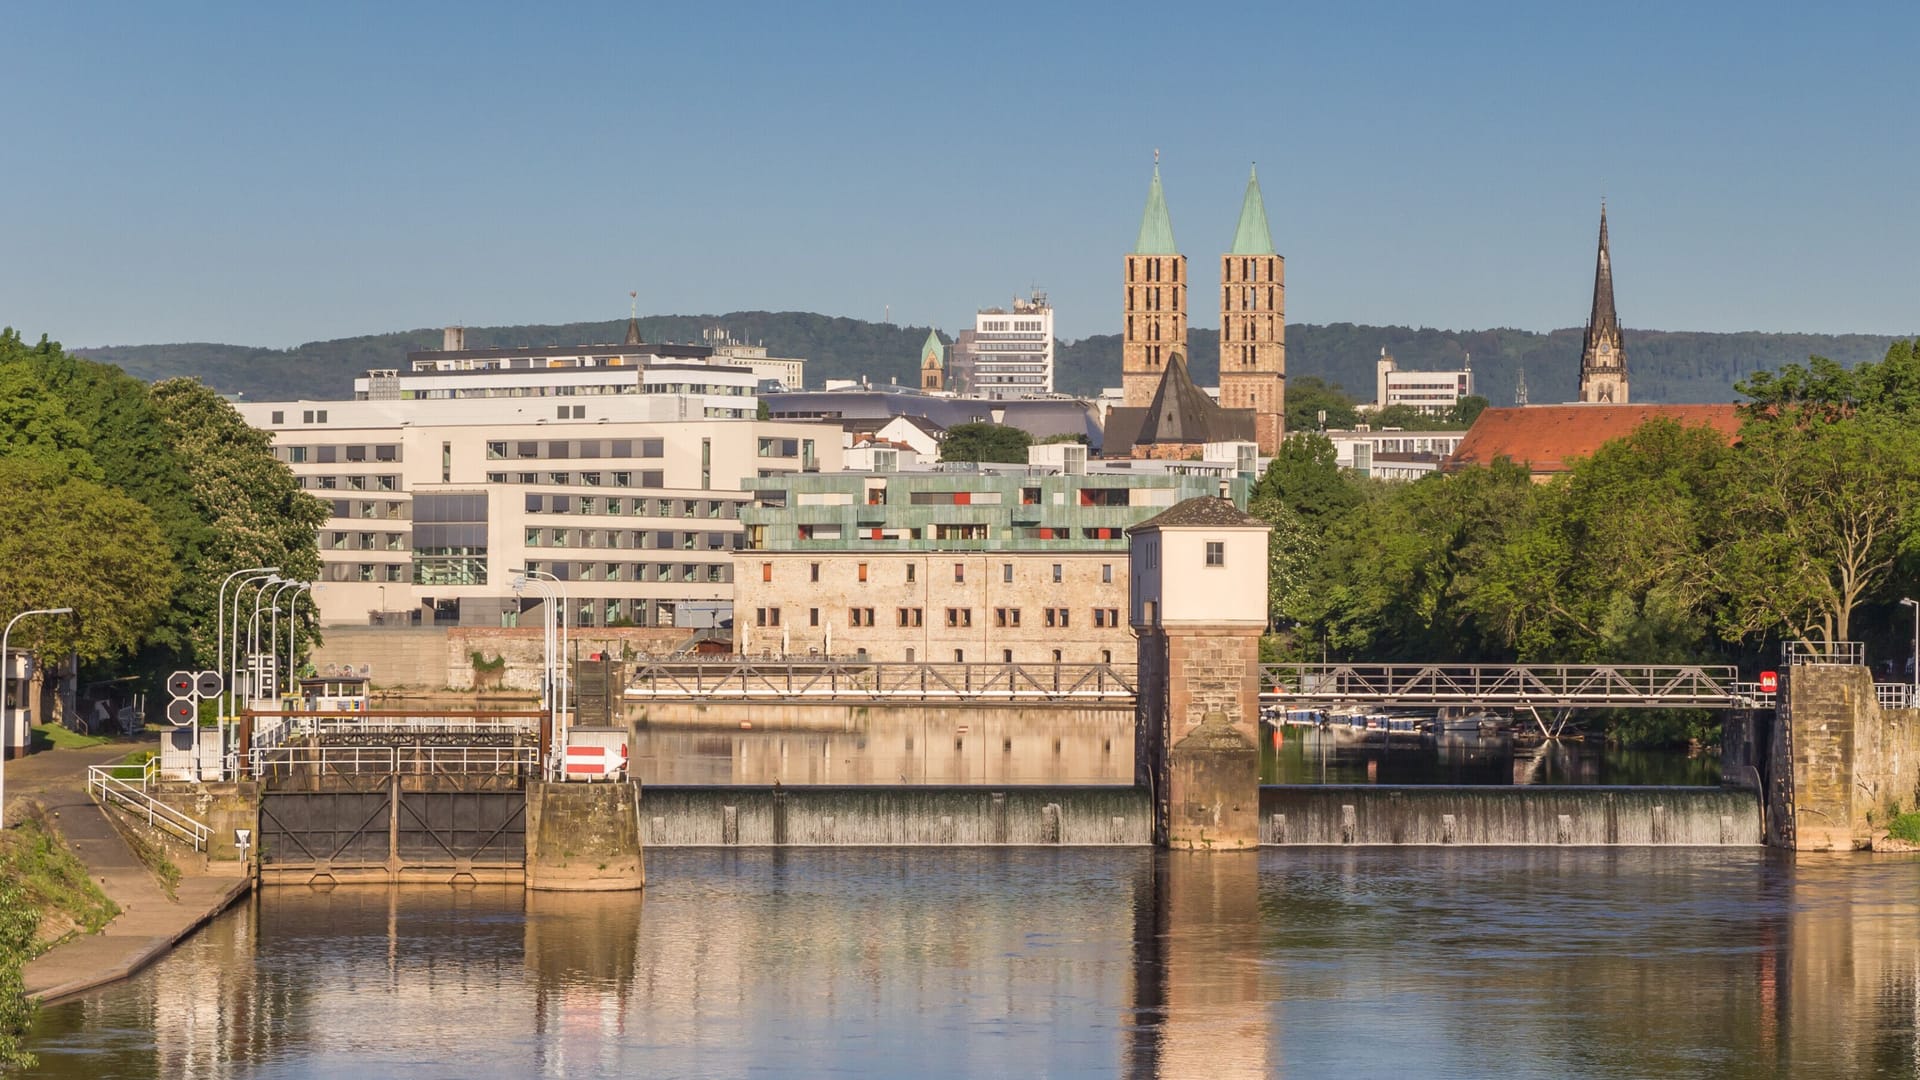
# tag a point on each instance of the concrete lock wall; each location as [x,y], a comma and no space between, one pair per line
[776,716]
[1852,763]
[584,837]
[440,657]
[222,806]
[822,816]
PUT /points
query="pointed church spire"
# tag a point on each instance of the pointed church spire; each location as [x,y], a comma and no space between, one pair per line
[1603,319]
[1156,230]
[1252,237]
[633,319]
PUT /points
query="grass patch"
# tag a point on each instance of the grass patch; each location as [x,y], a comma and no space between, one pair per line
[55,737]
[132,767]
[53,881]
[1905,827]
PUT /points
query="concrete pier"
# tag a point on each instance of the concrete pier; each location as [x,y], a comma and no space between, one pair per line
[584,837]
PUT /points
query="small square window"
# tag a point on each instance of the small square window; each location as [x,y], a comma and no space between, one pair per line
[1216,553]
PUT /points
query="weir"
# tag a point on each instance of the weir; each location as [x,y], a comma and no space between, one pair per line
[1493,816]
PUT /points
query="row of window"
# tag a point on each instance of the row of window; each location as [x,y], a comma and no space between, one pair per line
[957,618]
[647,478]
[616,506]
[499,450]
[348,483]
[642,539]
[364,541]
[1058,572]
[381,510]
[328,455]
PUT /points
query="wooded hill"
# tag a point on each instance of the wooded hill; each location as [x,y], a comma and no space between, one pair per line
[1677,366]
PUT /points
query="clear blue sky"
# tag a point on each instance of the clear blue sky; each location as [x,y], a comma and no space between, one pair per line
[254,175]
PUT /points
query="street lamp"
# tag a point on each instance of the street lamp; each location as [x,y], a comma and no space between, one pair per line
[566,679]
[220,623]
[6,708]
[293,625]
[1913,673]
[273,635]
[230,660]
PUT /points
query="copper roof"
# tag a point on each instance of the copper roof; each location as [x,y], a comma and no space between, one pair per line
[1546,438]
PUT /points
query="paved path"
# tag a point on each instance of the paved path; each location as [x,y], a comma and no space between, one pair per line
[149,923]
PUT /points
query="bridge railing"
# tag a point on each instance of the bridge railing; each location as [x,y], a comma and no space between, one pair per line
[325,760]
[1795,653]
[274,729]
[109,788]
[1541,685]
[746,678]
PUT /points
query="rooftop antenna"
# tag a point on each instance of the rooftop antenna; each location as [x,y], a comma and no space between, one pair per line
[633,305]
[1520,387]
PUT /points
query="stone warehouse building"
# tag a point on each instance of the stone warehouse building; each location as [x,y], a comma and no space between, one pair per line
[1025,565]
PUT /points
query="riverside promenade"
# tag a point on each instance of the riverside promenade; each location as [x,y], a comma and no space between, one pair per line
[150,922]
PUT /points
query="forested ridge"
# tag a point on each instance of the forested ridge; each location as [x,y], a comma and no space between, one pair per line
[1678,366]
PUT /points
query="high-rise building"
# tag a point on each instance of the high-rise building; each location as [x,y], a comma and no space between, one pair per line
[1253,322]
[1603,357]
[1156,301]
[1013,349]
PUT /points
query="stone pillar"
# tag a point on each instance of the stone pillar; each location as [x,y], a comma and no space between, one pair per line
[584,837]
[1847,763]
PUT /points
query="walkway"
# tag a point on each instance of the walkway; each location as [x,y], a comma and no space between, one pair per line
[149,923]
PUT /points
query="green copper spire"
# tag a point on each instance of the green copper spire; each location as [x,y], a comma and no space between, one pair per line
[933,349]
[1252,237]
[1156,232]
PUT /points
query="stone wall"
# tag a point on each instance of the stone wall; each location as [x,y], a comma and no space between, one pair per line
[1851,762]
[584,837]
[523,648]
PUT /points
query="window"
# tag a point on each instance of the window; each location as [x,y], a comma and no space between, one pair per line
[1056,656]
[766,571]
[910,570]
[1006,656]
[278,417]
[766,616]
[297,455]
[863,572]
[910,616]
[959,573]
[1056,573]
[1106,573]
[860,616]
[1057,617]
[959,656]
[813,571]
[959,616]
[1006,572]
[1216,553]
[1006,617]
[496,451]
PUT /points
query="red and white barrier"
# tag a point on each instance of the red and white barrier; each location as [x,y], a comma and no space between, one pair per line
[596,762]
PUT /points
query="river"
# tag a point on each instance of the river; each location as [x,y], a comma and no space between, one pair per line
[974,962]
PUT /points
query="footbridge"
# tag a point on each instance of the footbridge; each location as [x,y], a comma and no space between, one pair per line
[1520,686]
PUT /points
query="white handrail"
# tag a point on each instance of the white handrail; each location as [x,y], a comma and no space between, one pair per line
[107,788]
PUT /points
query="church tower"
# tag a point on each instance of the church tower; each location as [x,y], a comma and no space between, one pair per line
[1156,307]
[933,363]
[1253,322]
[1603,359]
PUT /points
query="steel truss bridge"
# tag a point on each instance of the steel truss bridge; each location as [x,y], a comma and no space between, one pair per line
[1515,686]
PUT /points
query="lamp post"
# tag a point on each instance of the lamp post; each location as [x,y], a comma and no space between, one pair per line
[6,707]
[230,693]
[293,625]
[565,677]
[220,624]
[1913,673]
[547,594]
[273,635]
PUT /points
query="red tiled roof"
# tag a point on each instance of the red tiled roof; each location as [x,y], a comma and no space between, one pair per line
[1546,437]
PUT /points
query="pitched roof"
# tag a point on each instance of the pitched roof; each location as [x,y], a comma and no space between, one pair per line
[633,331]
[1156,230]
[934,347]
[1252,237]
[1183,413]
[1546,438]
[1204,512]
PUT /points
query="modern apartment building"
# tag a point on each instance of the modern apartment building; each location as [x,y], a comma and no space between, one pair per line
[439,503]
[1012,350]
[1022,564]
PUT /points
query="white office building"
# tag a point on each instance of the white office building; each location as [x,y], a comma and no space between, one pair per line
[1012,350]
[1434,392]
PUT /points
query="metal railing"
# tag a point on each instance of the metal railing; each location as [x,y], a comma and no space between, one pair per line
[108,789]
[790,679]
[276,728]
[1795,653]
[1894,695]
[1663,686]
[284,761]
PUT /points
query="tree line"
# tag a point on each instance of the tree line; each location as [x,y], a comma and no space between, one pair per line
[130,502]
[1672,545]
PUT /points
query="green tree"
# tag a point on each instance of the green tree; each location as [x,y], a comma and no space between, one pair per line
[1308,395]
[74,543]
[1465,412]
[985,442]
[1291,550]
[251,503]
[1817,513]
[1305,477]
[19,921]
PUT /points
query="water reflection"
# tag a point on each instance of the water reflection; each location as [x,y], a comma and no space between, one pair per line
[1315,962]
[1301,755]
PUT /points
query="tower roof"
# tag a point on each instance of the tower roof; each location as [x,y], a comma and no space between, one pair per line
[1156,230]
[1603,319]
[1183,413]
[1252,237]
[934,346]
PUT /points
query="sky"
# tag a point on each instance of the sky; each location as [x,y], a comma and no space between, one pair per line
[261,175]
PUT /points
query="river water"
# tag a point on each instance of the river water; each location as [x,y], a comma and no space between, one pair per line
[972,962]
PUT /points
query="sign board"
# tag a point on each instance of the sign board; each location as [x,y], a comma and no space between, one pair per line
[207,684]
[181,711]
[1769,682]
[181,683]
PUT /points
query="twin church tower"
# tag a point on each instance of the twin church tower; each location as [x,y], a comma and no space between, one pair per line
[1253,335]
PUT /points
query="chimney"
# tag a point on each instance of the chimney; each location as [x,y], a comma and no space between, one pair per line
[454,338]
[1226,488]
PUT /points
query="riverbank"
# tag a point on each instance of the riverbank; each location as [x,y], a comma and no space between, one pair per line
[148,921]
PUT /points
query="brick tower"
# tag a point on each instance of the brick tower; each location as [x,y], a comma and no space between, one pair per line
[1156,307]
[1253,323]
[1603,357]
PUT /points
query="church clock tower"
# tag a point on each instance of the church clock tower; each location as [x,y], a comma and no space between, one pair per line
[1156,306]
[1253,323]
